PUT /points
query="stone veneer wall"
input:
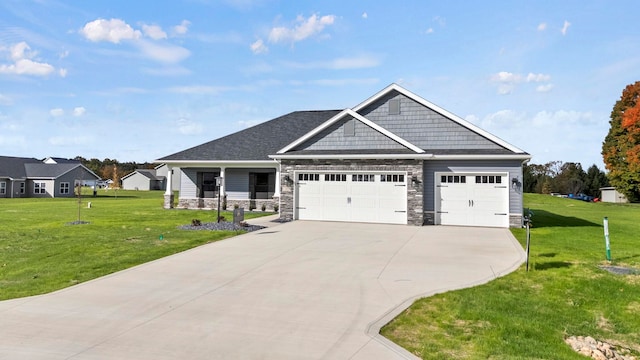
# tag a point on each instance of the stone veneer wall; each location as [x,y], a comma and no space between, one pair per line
[212,203]
[415,215]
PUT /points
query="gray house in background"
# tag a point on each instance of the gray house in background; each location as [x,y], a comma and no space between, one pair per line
[143,179]
[29,177]
[394,158]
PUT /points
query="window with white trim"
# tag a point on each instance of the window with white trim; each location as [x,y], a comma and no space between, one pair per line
[363,178]
[453,179]
[39,188]
[309,177]
[64,188]
[399,178]
[335,177]
[489,179]
[3,187]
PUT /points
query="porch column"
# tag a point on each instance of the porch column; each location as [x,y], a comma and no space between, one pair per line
[277,189]
[168,194]
[223,187]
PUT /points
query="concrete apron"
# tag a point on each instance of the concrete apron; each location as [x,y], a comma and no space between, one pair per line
[300,290]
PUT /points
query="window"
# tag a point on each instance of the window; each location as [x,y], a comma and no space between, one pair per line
[363,178]
[39,188]
[3,188]
[392,178]
[207,184]
[335,177]
[489,179]
[309,177]
[64,188]
[22,188]
[453,179]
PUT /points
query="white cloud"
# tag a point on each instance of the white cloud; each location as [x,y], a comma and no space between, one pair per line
[303,29]
[187,127]
[57,112]
[23,64]
[542,26]
[12,140]
[154,31]
[507,81]
[429,31]
[79,111]
[164,53]
[63,54]
[62,72]
[365,15]
[258,47]
[544,88]
[183,28]
[565,27]
[114,30]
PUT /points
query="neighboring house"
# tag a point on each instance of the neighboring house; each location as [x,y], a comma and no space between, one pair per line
[394,158]
[143,179]
[29,177]
[610,194]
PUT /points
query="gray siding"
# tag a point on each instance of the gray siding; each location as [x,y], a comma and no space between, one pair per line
[513,167]
[49,188]
[136,181]
[364,138]
[188,183]
[424,127]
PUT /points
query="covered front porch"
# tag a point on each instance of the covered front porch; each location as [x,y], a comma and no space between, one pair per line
[204,186]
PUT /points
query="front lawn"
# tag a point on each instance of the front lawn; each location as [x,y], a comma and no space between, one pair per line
[41,252]
[528,315]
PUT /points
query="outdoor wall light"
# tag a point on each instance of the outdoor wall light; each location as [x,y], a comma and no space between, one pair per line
[515,183]
[287,179]
[414,179]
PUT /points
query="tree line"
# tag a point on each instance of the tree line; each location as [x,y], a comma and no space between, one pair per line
[112,168]
[563,178]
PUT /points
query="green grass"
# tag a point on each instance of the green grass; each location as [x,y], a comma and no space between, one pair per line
[41,252]
[527,315]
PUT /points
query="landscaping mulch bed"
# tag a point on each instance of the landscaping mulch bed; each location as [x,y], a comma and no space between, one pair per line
[223,225]
[620,270]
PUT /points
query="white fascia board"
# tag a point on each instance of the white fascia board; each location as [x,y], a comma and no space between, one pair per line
[483,157]
[221,163]
[352,156]
[439,110]
[360,118]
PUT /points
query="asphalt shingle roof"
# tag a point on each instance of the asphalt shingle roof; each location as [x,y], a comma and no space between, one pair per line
[41,170]
[13,167]
[257,142]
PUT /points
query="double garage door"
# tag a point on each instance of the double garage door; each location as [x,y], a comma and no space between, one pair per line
[356,197]
[472,199]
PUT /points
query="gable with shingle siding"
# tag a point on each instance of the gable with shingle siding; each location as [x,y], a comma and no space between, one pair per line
[337,137]
[424,127]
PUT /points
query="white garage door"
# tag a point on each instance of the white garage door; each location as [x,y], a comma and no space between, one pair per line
[356,197]
[472,199]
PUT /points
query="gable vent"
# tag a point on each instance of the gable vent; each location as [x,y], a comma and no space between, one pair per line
[394,107]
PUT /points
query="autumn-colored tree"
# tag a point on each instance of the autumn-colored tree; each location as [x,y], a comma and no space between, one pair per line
[621,146]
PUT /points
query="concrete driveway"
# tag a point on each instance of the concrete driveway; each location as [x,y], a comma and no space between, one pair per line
[300,290]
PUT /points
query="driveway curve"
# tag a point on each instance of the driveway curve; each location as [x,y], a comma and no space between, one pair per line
[300,290]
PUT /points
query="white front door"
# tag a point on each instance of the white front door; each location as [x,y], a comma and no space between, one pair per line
[358,197]
[472,199]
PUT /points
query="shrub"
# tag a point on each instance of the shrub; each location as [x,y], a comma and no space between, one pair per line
[196,222]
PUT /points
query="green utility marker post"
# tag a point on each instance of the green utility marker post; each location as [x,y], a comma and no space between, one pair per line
[606,238]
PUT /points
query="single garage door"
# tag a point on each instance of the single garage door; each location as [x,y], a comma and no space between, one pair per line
[472,199]
[353,197]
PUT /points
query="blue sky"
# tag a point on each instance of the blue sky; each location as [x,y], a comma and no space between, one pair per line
[138,80]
